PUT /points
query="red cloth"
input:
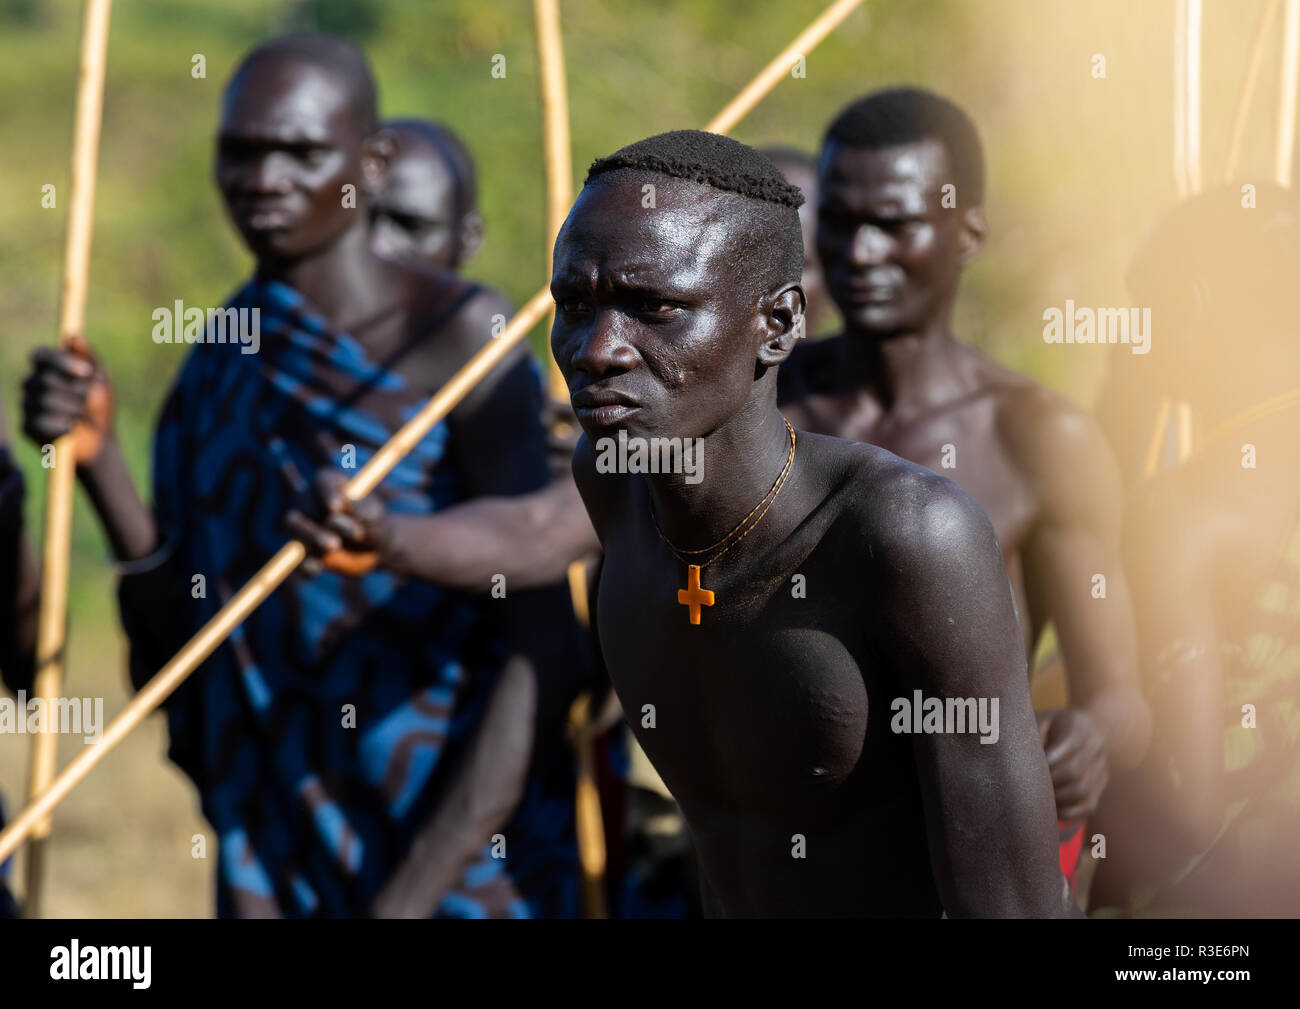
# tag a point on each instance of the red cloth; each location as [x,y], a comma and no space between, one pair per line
[1070,834]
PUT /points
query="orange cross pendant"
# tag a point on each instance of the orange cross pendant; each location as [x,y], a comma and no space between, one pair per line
[693,596]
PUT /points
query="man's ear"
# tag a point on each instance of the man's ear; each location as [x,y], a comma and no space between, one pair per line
[974,229]
[471,236]
[783,323]
[377,153]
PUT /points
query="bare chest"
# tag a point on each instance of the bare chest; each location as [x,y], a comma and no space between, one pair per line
[765,708]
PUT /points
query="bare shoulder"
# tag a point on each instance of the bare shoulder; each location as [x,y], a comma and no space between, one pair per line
[446,310]
[909,520]
[469,315]
[1040,427]
[1054,444]
[930,577]
[451,320]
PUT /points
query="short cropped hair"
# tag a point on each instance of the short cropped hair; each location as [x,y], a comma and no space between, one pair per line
[897,116]
[339,57]
[706,158]
[767,205]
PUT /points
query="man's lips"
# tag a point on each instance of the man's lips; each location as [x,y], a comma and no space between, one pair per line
[264,217]
[870,294]
[603,407]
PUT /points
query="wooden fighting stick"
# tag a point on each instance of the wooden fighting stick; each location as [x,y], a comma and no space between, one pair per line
[59,496]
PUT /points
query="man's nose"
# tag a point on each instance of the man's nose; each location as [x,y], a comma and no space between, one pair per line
[870,247]
[386,239]
[603,348]
[270,175]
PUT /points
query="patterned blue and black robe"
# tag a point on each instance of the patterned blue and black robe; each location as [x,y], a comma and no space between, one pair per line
[320,735]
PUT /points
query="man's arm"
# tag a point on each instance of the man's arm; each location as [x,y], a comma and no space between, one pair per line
[516,521]
[69,390]
[485,789]
[1075,578]
[950,631]
[530,540]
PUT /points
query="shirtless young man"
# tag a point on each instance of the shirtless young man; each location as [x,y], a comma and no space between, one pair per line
[833,582]
[901,215]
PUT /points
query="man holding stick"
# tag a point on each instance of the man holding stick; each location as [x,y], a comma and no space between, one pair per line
[357,744]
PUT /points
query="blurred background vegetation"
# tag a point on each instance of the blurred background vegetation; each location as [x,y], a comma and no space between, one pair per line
[1079,167]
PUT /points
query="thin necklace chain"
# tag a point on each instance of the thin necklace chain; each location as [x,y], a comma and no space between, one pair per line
[739,530]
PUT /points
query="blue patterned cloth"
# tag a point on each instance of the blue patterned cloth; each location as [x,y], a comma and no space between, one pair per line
[321,733]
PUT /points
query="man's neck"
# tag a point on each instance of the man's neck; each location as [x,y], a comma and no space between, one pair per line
[908,370]
[740,463]
[344,281]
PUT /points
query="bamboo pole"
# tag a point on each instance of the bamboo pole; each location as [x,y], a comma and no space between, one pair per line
[1266,18]
[806,41]
[555,145]
[52,624]
[1156,444]
[559,198]
[1185,431]
[1187,98]
[589,825]
[277,569]
[1289,93]
[1194,95]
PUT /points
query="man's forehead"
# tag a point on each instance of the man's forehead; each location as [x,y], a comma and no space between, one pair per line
[919,167]
[419,184]
[646,231]
[285,94]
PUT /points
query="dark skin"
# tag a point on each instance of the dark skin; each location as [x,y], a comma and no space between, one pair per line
[530,539]
[415,215]
[897,377]
[772,715]
[20,577]
[289,140]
